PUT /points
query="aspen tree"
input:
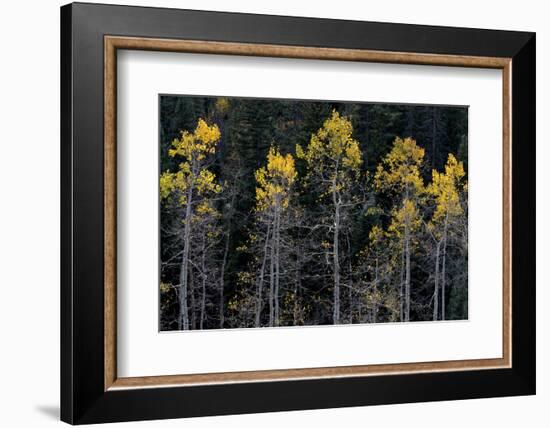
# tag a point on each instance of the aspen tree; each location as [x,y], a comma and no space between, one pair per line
[190,185]
[273,191]
[399,175]
[333,160]
[374,269]
[445,189]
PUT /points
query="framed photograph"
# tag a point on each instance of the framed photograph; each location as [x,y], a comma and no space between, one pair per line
[266,213]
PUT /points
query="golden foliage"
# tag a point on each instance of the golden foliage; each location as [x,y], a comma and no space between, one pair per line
[376,235]
[197,145]
[174,181]
[400,168]
[206,182]
[445,189]
[274,181]
[194,148]
[332,145]
[205,209]
[166,184]
[400,172]
[405,218]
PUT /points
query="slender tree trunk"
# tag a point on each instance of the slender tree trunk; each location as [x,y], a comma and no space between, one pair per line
[222,280]
[272,281]
[375,290]
[277,262]
[192,303]
[261,280]
[407,249]
[183,322]
[401,285]
[297,286]
[336,250]
[350,287]
[350,300]
[336,262]
[436,282]
[443,262]
[407,274]
[203,282]
[229,223]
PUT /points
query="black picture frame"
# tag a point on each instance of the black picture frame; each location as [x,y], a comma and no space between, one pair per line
[83,397]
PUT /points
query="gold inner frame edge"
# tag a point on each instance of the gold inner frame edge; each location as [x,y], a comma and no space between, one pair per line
[113,43]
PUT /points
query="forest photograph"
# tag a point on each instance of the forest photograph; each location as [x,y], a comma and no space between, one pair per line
[286,213]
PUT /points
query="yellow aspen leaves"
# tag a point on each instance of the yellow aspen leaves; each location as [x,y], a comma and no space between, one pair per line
[171,182]
[332,145]
[197,145]
[400,168]
[405,217]
[206,182]
[274,181]
[445,189]
[205,208]
[166,184]
[376,235]
[194,148]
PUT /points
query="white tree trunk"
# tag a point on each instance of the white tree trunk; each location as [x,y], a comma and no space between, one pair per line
[277,262]
[192,303]
[375,289]
[183,322]
[260,285]
[443,262]
[350,286]
[203,282]
[297,286]
[272,281]
[222,280]
[336,251]
[407,274]
[436,282]
[401,285]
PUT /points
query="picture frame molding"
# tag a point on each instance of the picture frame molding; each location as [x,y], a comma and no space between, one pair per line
[114,43]
[90,389]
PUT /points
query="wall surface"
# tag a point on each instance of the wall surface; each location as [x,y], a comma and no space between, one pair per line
[29,226]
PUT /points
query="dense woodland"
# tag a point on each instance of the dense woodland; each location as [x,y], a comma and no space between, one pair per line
[288,213]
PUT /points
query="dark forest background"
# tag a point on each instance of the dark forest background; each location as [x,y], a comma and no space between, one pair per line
[248,128]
